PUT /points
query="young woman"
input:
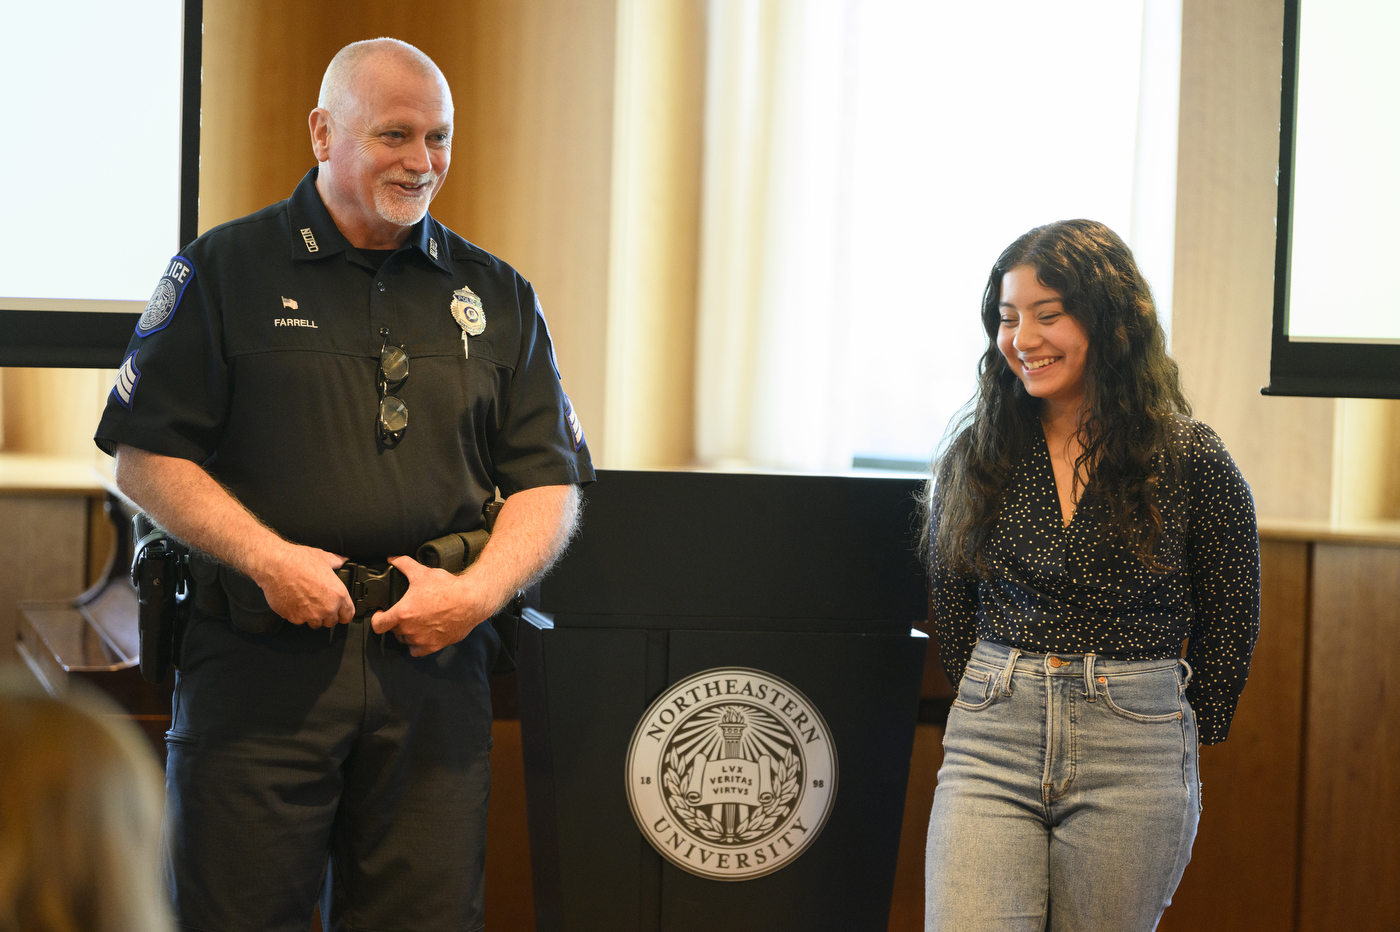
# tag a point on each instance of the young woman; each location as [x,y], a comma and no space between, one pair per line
[1081,528]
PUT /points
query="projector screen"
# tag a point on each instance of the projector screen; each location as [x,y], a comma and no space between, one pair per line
[1336,312]
[105,189]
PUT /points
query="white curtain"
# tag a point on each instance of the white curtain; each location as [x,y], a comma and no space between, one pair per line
[865,162]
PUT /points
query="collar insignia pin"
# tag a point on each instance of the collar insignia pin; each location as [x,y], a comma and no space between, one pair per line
[432,248]
[468,312]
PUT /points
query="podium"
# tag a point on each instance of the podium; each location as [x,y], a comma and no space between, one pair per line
[711,637]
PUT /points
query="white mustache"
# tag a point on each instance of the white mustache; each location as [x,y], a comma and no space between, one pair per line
[412,180]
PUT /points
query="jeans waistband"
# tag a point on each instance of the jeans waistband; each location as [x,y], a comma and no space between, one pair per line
[1001,656]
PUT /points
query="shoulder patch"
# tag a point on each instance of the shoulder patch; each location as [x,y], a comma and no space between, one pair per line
[127,377]
[166,298]
[575,428]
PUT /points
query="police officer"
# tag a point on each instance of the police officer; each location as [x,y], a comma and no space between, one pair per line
[329,382]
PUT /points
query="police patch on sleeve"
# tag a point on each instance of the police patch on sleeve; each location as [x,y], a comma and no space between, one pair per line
[575,428]
[127,377]
[166,298]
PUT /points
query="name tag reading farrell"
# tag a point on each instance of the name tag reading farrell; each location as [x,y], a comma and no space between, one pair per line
[731,773]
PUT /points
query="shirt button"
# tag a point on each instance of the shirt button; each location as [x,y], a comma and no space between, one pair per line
[381,286]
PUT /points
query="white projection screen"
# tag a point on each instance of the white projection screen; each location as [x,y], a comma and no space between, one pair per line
[103,189]
[1336,311]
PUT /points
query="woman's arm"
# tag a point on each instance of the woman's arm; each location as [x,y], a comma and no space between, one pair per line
[1222,553]
[952,603]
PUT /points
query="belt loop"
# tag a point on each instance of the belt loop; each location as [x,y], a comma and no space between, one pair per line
[1189,674]
[1007,671]
[1091,691]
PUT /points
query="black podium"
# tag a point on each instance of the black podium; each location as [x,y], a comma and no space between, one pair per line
[801,585]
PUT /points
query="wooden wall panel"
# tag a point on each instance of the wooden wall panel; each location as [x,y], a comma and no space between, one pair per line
[1244,862]
[54,412]
[907,906]
[43,555]
[1231,62]
[510,902]
[1350,876]
[534,137]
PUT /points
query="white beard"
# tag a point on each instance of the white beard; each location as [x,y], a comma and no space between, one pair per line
[399,209]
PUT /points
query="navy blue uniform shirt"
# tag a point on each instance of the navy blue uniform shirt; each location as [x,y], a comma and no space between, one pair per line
[257,358]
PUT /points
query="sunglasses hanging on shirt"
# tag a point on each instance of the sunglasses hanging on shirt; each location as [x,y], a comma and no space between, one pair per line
[393,413]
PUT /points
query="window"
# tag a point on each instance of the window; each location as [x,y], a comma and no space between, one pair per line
[866,162]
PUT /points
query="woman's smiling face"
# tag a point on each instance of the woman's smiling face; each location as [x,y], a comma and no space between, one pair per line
[1045,347]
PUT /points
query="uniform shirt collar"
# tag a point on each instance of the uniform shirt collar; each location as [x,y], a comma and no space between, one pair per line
[315,235]
[430,238]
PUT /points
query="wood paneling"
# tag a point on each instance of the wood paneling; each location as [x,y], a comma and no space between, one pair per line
[510,902]
[1244,862]
[1350,876]
[54,412]
[534,131]
[43,555]
[1231,61]
[907,907]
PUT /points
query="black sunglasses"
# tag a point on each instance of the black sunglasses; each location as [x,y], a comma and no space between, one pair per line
[393,413]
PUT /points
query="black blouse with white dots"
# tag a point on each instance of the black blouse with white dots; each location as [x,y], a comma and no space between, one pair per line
[1079,589]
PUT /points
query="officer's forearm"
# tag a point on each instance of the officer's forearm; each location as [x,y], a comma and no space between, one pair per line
[190,504]
[530,532]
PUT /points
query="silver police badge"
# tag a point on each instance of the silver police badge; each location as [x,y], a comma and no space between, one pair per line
[468,312]
[731,774]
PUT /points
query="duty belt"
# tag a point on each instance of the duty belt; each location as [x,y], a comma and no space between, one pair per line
[372,589]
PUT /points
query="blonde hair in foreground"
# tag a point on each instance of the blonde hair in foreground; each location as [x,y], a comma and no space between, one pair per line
[80,801]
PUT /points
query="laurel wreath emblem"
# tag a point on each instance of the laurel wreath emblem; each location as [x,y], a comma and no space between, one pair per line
[761,819]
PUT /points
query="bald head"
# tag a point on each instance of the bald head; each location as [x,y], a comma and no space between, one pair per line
[339,88]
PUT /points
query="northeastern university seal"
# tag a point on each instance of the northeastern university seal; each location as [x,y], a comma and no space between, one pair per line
[731,773]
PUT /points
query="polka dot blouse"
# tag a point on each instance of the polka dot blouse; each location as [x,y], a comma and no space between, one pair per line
[1079,589]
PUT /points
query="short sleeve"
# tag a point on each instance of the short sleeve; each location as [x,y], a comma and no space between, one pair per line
[541,440]
[171,393]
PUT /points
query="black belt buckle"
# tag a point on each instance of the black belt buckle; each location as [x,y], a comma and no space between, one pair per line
[371,590]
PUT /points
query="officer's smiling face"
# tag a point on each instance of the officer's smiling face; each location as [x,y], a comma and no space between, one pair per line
[385,157]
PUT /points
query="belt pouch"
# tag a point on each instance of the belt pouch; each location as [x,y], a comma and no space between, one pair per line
[224,592]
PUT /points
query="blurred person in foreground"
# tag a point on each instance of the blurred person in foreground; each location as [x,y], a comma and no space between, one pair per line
[1081,527]
[80,803]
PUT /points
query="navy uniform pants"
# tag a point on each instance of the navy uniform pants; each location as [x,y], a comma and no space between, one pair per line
[292,748]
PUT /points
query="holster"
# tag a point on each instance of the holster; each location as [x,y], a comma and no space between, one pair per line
[158,570]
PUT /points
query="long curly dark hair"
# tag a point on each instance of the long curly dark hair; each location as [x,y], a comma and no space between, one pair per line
[1132,389]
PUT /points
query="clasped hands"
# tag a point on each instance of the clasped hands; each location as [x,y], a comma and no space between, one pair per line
[439,609]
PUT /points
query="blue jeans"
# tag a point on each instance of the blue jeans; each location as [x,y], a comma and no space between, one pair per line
[1068,797]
